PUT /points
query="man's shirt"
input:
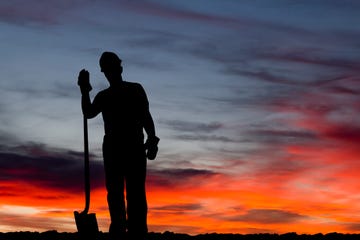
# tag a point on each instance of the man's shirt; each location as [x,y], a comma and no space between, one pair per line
[123,108]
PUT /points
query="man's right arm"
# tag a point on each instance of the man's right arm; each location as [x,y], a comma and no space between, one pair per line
[89,109]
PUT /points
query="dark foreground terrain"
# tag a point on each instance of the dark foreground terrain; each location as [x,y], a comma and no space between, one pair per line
[54,235]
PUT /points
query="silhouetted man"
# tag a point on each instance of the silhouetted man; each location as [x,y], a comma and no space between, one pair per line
[125,110]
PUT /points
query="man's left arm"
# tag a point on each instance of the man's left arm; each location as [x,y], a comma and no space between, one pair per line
[151,144]
[149,126]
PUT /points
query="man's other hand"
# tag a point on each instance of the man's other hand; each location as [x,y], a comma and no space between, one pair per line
[151,147]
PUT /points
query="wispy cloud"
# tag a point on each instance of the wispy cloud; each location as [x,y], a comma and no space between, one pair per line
[187,126]
[178,207]
[206,138]
[313,58]
[46,13]
[268,216]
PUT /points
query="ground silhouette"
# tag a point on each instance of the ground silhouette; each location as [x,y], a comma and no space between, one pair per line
[54,235]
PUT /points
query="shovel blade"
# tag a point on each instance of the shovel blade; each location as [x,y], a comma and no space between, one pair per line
[86,225]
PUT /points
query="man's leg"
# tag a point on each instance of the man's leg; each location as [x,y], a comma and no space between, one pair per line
[114,179]
[136,200]
[116,203]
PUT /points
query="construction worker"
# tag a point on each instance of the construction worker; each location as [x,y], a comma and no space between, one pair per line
[125,110]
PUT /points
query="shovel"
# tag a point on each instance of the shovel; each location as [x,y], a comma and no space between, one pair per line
[86,222]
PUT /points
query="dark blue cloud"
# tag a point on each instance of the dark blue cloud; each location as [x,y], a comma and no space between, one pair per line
[173,178]
[62,170]
[46,168]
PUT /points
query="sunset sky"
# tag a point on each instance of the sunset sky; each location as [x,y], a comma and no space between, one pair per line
[257,105]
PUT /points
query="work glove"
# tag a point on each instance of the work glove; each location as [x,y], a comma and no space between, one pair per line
[84,82]
[151,147]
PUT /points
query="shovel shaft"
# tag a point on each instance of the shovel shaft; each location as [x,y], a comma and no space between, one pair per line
[86,223]
[86,167]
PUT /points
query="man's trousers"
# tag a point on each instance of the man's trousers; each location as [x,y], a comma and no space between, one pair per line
[125,169]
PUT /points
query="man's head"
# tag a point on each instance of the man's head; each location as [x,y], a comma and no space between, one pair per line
[110,65]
